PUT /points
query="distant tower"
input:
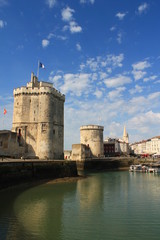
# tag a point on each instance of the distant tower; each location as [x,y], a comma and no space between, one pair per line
[92,136]
[125,135]
[38,119]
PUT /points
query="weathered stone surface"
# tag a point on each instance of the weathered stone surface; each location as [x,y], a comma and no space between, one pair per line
[92,136]
[17,172]
[80,152]
[38,119]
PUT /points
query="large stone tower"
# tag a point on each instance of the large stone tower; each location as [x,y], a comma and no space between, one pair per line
[38,119]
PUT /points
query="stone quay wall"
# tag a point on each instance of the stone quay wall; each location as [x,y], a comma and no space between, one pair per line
[17,172]
[111,163]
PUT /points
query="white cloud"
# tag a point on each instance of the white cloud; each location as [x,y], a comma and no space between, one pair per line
[119,38]
[51,3]
[143,104]
[82,66]
[141,65]
[120,15]
[117,81]
[138,74]
[51,35]
[74,27]
[3,3]
[109,70]
[115,60]
[143,122]
[158,81]
[76,84]
[93,64]
[112,28]
[55,78]
[45,43]
[2,23]
[143,8]
[67,14]
[151,78]
[103,75]
[138,68]
[116,93]
[87,1]
[65,28]
[154,96]
[109,62]
[96,88]
[98,93]
[137,89]
[94,76]
[78,46]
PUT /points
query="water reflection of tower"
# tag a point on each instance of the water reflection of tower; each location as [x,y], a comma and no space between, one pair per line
[39,212]
[91,192]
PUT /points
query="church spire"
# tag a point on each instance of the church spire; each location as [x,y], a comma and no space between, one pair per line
[125,135]
[124,132]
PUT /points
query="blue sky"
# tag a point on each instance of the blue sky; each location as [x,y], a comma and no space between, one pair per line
[104,55]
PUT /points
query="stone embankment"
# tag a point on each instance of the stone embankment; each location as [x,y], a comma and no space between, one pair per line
[14,171]
[109,163]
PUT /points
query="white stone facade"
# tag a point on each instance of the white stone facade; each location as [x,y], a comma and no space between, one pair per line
[150,146]
[38,119]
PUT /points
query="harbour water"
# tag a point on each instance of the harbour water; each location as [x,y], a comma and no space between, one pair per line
[108,205]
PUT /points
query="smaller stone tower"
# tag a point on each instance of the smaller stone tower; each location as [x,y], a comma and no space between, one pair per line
[92,136]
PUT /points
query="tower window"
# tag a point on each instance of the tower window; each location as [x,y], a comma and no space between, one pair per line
[44,127]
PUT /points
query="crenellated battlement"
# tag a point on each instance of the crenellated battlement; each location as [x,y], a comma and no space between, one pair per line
[38,91]
[92,127]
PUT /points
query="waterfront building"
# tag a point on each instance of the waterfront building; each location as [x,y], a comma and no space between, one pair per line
[38,119]
[117,146]
[109,147]
[9,146]
[67,154]
[149,146]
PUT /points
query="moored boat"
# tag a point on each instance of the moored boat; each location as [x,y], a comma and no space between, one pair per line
[135,168]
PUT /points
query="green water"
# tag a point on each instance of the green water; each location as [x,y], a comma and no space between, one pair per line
[111,205]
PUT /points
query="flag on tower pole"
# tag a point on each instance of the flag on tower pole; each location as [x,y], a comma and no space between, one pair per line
[5,111]
[40,65]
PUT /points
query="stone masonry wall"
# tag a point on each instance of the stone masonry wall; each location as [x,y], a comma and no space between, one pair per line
[39,117]
[92,135]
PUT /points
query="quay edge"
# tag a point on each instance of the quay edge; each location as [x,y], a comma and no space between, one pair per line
[14,172]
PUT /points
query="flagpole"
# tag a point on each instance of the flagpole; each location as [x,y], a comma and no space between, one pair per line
[4,113]
[3,122]
[38,70]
